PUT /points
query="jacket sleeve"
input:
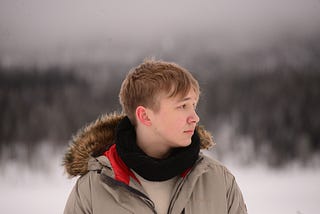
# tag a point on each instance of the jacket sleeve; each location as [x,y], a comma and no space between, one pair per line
[79,200]
[236,204]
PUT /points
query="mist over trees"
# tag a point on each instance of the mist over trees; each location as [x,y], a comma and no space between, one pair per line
[276,107]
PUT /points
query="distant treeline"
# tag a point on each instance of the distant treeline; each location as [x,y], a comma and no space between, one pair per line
[278,109]
[38,105]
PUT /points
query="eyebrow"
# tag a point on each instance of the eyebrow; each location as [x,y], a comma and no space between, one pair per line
[186,99]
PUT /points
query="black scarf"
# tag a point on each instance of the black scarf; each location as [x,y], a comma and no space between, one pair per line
[153,169]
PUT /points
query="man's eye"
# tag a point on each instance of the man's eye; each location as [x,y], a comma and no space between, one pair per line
[182,106]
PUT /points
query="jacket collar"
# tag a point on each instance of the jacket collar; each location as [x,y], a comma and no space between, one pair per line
[95,138]
[181,195]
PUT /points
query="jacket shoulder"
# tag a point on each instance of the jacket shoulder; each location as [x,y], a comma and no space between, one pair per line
[217,169]
[213,163]
[217,176]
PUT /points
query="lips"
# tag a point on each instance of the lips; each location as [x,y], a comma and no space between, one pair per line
[189,131]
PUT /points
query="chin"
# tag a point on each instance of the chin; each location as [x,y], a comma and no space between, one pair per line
[187,143]
[182,143]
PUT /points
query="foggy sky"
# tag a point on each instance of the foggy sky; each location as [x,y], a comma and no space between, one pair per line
[67,31]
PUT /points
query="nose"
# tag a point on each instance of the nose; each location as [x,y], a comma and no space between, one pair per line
[194,118]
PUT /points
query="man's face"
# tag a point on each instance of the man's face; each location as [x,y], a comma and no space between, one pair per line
[174,123]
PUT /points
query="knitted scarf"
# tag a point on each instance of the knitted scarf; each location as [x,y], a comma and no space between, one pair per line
[154,169]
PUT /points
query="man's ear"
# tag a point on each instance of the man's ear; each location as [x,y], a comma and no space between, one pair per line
[142,115]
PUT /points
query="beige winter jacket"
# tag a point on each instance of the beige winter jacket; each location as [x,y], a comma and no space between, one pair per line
[207,188]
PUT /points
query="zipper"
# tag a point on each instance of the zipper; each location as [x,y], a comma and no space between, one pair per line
[176,193]
[178,187]
[144,198]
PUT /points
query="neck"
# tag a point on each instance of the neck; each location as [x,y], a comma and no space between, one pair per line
[150,146]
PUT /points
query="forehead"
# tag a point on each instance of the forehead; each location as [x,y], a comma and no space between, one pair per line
[190,96]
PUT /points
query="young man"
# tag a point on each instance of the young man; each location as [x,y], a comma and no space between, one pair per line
[148,160]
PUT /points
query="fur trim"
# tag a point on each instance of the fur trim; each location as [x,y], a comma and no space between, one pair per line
[95,138]
[90,140]
[206,139]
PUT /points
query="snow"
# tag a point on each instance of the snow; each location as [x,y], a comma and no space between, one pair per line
[32,191]
[287,191]
[291,190]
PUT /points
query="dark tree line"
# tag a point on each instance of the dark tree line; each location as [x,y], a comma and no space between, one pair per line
[279,109]
[39,105]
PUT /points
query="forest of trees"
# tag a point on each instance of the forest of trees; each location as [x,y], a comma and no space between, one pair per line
[278,109]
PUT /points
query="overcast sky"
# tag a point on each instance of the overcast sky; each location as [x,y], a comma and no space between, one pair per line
[67,31]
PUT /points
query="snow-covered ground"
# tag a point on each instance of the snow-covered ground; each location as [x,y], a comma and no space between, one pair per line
[293,190]
[28,190]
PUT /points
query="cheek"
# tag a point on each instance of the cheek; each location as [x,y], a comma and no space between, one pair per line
[173,121]
[177,123]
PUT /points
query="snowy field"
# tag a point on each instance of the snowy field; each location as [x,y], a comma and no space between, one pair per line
[293,190]
[287,191]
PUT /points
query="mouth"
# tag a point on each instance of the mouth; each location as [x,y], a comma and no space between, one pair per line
[189,132]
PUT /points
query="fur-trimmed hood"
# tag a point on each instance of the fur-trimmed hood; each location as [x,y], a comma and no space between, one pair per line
[96,137]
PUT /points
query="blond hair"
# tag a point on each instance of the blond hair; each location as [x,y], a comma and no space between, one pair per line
[145,83]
